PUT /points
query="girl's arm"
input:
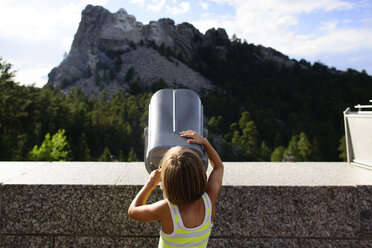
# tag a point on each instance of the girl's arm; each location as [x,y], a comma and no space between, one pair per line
[215,178]
[138,210]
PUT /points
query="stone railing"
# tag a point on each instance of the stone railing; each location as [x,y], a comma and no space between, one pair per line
[73,204]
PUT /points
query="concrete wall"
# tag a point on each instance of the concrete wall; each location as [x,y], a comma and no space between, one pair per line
[261,205]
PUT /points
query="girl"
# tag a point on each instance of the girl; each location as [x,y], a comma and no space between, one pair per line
[187,213]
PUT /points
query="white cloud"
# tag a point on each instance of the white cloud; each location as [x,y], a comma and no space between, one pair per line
[329,26]
[44,27]
[272,23]
[367,22]
[277,24]
[288,6]
[37,21]
[182,8]
[203,4]
[93,2]
[156,5]
[32,74]
[336,41]
[347,21]
[139,2]
[208,21]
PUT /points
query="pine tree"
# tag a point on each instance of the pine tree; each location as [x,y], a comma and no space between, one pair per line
[292,149]
[249,141]
[265,152]
[304,146]
[245,137]
[84,151]
[121,156]
[342,149]
[316,150]
[132,156]
[278,154]
[215,124]
[52,149]
[106,155]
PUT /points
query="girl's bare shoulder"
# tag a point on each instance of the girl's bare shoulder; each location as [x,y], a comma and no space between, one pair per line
[163,203]
[163,207]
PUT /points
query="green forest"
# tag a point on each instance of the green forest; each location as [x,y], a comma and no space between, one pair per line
[258,111]
[36,121]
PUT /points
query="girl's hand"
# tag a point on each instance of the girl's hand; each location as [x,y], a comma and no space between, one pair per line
[195,137]
[154,178]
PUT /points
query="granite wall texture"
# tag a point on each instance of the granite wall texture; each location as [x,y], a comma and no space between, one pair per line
[89,215]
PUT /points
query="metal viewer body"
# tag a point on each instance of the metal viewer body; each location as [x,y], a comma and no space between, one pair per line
[170,112]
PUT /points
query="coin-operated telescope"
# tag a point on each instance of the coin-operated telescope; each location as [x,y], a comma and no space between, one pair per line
[170,112]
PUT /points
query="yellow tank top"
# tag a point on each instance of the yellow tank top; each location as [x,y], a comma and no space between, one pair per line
[196,237]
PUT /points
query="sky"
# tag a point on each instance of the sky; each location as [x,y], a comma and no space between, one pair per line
[35,35]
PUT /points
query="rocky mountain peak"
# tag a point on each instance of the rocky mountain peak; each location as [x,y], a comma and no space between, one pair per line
[106,46]
[217,37]
[114,51]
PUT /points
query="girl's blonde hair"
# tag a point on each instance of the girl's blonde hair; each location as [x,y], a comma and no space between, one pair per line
[183,175]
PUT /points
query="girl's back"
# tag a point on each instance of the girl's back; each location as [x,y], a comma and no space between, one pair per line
[193,214]
[191,224]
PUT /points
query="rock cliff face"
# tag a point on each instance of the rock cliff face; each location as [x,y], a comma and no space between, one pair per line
[114,51]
